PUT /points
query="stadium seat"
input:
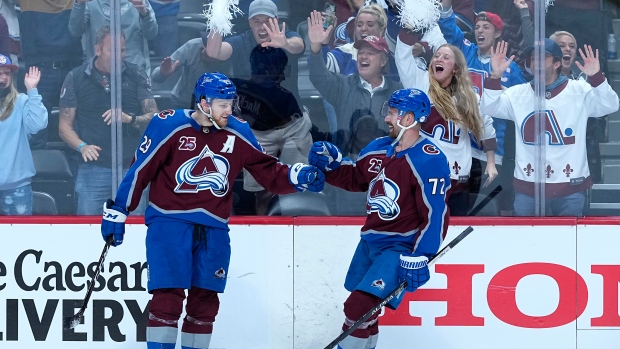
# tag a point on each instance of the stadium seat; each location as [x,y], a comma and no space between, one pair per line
[302,29]
[306,89]
[191,6]
[163,100]
[190,30]
[54,177]
[52,125]
[299,204]
[162,91]
[43,204]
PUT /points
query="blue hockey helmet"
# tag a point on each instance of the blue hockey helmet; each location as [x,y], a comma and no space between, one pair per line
[409,100]
[214,85]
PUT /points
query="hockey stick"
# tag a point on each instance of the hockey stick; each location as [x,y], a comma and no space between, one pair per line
[397,291]
[72,321]
[485,201]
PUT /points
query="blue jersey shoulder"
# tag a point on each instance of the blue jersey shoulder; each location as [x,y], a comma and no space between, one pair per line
[379,144]
[427,157]
[242,129]
[165,123]
[170,119]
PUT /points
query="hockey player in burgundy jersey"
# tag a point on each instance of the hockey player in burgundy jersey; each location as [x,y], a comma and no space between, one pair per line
[407,178]
[191,158]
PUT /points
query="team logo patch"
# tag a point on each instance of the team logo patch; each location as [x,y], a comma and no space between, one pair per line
[207,171]
[430,149]
[164,114]
[220,274]
[382,196]
[378,284]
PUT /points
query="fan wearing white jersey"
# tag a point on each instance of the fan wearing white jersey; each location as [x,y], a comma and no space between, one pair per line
[454,114]
[569,104]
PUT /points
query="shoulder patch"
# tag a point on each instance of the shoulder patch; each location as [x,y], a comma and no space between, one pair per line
[164,114]
[430,149]
[466,42]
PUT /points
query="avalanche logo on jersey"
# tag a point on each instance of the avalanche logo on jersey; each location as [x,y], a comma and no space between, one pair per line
[554,132]
[378,284]
[382,196]
[207,171]
[477,79]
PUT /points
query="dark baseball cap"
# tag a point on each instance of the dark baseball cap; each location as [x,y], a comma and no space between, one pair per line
[551,47]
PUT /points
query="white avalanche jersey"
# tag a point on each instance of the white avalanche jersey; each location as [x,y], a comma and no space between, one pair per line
[568,108]
[452,138]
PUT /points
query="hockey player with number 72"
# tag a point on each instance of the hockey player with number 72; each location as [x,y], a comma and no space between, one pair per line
[191,158]
[407,179]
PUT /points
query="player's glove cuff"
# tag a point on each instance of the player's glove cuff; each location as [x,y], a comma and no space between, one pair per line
[301,174]
[413,261]
[114,213]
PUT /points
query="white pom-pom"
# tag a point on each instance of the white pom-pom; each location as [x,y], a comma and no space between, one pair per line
[434,37]
[219,15]
[548,3]
[418,15]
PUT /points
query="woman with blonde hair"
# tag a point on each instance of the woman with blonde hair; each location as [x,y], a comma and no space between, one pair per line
[21,115]
[455,120]
[370,20]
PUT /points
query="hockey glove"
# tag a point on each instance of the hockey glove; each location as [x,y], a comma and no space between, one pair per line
[318,183]
[113,222]
[325,156]
[300,175]
[414,270]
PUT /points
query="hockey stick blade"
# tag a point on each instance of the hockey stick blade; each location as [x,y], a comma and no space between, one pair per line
[396,291]
[71,322]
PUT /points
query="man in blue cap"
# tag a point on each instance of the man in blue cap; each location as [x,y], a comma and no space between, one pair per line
[569,104]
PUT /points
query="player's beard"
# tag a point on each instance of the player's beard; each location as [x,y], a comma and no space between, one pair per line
[393,131]
[221,122]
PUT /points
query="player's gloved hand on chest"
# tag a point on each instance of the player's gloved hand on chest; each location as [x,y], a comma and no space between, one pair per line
[325,156]
[303,177]
[414,270]
[113,222]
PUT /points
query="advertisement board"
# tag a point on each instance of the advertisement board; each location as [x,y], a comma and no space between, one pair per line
[45,270]
[551,285]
